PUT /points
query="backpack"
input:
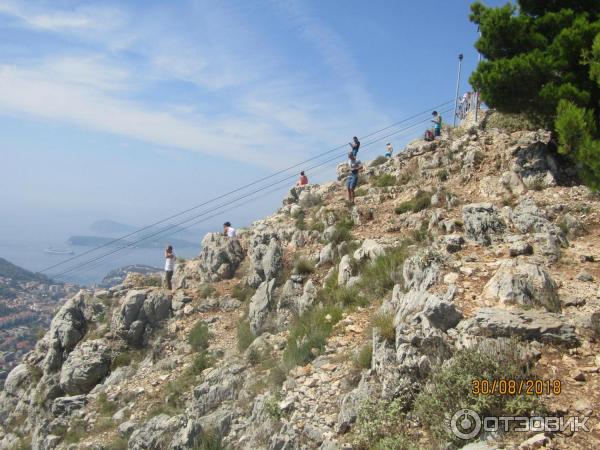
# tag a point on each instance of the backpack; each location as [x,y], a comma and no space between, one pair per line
[428,136]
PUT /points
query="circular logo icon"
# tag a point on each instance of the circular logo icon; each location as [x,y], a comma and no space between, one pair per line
[465,424]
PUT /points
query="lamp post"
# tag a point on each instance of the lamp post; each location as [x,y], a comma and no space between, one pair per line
[477,93]
[460,58]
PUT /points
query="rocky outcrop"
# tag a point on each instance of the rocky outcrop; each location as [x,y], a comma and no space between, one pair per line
[219,258]
[369,250]
[482,223]
[523,283]
[260,306]
[266,258]
[85,367]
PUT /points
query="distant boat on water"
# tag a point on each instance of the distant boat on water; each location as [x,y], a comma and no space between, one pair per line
[56,251]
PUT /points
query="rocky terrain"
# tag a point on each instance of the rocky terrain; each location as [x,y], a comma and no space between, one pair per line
[332,326]
[28,302]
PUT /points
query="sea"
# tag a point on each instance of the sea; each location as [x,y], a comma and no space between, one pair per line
[30,255]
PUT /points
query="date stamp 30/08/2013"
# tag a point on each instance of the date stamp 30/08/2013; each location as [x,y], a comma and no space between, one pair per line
[515,387]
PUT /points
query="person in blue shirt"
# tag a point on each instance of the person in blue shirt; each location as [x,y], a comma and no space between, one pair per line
[437,123]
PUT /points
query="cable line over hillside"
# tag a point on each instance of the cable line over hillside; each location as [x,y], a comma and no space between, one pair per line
[87,264]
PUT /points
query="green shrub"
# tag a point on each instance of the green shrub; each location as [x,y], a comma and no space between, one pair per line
[118,443]
[384,180]
[303,266]
[105,406]
[510,122]
[300,224]
[421,234]
[360,192]
[210,440]
[272,408]
[342,231]
[245,337]
[35,372]
[442,175]
[253,356]
[206,290]
[384,322]
[364,356]
[201,362]
[309,331]
[421,201]
[382,425]
[242,292]
[450,388]
[277,375]
[199,336]
[380,276]
[317,225]
[379,161]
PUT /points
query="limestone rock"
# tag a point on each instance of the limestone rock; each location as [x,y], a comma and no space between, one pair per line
[85,367]
[260,305]
[344,271]
[482,223]
[523,283]
[220,257]
[65,406]
[369,250]
[327,254]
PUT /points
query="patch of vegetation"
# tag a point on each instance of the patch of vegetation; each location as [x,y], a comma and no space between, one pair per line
[360,192]
[118,443]
[105,406]
[151,281]
[303,266]
[379,161]
[206,290]
[380,276]
[245,336]
[421,201]
[317,225]
[35,372]
[342,231]
[242,292]
[310,200]
[201,362]
[210,440]
[309,333]
[421,234]
[538,185]
[384,322]
[121,360]
[272,407]
[364,356]
[442,175]
[199,336]
[253,356]
[384,180]
[510,122]
[451,387]
[382,425]
[300,223]
[277,375]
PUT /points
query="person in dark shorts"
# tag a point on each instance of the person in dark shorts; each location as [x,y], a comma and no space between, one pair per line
[437,123]
[352,180]
[170,258]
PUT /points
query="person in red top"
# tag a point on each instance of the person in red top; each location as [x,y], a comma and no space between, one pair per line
[303,179]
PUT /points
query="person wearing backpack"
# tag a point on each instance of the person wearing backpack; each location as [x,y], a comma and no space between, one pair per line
[354,145]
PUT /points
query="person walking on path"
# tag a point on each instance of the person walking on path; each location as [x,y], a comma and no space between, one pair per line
[170,258]
[228,230]
[355,145]
[437,123]
[352,181]
[388,150]
[303,181]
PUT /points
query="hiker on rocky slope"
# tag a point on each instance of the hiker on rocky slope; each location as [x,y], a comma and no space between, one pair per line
[170,258]
[355,145]
[228,230]
[303,179]
[352,182]
[437,123]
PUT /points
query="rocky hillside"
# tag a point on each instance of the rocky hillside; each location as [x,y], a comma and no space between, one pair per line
[470,258]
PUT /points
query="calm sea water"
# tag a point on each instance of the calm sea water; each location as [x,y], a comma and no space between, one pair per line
[31,256]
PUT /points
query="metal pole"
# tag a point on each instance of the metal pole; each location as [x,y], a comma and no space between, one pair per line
[460,58]
[477,93]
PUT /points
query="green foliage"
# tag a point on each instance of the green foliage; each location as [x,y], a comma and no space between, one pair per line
[384,322]
[442,175]
[253,356]
[364,356]
[300,224]
[105,406]
[199,336]
[317,225]
[421,234]
[277,375]
[553,50]
[118,443]
[510,122]
[303,266]
[380,276]
[384,180]
[381,425]
[360,192]
[272,408]
[421,201]
[342,232]
[210,440]
[242,292]
[201,361]
[450,388]
[206,290]
[310,331]
[245,337]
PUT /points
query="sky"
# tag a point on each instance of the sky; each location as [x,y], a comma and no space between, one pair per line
[133,111]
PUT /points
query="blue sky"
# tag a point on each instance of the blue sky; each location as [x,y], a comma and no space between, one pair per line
[135,110]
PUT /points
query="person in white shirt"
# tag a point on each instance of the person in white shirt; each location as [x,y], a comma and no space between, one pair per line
[228,230]
[170,258]
[389,150]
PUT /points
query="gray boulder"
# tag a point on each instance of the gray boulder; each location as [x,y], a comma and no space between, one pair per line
[482,223]
[65,406]
[422,270]
[139,312]
[219,258]
[523,283]
[535,164]
[154,434]
[16,380]
[187,437]
[531,325]
[351,404]
[369,250]
[528,218]
[266,258]
[85,367]
[327,254]
[308,297]
[157,306]
[520,248]
[260,305]
[344,271]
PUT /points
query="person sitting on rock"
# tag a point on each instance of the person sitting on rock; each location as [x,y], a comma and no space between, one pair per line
[388,150]
[170,258]
[352,181]
[228,230]
[303,181]
[355,145]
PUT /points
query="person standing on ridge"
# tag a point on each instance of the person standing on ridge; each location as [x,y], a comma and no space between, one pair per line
[303,179]
[228,230]
[170,258]
[352,181]
[437,123]
[388,150]
[355,145]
